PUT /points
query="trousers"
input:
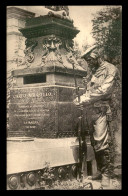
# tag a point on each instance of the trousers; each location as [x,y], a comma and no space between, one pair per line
[98,126]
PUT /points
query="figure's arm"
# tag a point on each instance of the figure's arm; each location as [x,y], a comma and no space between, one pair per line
[102,91]
[105,88]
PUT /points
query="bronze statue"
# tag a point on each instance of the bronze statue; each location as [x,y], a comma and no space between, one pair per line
[96,102]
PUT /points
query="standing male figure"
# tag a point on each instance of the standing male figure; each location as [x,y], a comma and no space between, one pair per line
[96,102]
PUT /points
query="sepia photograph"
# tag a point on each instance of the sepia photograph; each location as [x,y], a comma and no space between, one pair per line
[64,97]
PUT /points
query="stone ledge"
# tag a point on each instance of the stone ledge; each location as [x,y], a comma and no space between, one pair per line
[14,33]
[43,19]
[52,69]
[19,139]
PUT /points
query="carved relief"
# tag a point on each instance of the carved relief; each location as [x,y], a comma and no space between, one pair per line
[51,45]
[19,61]
[59,11]
[29,54]
[71,56]
[68,47]
[52,7]
[59,8]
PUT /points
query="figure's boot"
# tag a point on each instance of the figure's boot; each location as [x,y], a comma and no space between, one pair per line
[98,175]
[105,180]
[105,168]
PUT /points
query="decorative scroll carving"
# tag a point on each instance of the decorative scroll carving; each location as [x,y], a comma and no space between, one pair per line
[29,54]
[71,56]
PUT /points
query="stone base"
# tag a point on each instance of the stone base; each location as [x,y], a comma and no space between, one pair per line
[26,155]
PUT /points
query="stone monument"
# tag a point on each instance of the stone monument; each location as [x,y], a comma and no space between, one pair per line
[42,117]
[41,97]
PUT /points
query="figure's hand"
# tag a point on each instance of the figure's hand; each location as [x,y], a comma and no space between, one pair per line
[79,105]
[83,100]
[86,100]
[75,101]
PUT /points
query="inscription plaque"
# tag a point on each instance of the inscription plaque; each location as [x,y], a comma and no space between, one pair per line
[33,95]
[33,112]
[45,112]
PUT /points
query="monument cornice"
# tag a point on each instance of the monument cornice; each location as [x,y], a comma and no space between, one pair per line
[46,18]
[50,26]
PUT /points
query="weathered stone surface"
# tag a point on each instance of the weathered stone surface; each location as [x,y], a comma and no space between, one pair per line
[33,155]
[43,112]
[33,111]
[65,125]
[16,19]
[34,121]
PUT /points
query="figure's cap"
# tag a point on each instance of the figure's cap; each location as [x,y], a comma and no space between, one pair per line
[90,51]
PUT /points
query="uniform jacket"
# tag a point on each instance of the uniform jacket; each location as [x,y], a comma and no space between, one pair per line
[102,84]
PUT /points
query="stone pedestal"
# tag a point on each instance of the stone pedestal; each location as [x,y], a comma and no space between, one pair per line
[41,100]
